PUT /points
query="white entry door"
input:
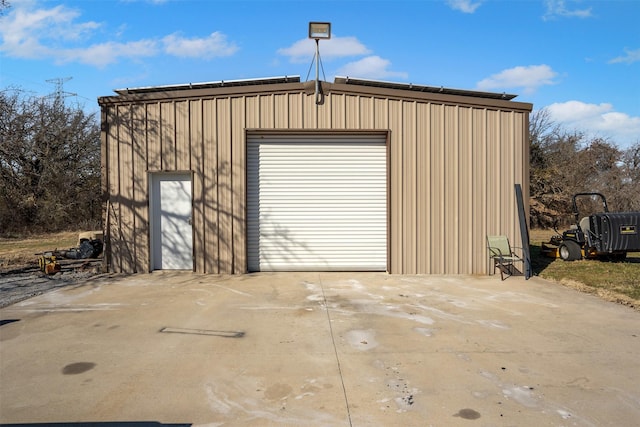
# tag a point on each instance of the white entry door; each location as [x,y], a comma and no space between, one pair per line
[171,222]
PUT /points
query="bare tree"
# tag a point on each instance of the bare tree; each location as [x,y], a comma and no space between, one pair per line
[49,164]
[564,163]
[4,4]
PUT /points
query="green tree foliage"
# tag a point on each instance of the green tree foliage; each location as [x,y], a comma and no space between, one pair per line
[565,163]
[49,165]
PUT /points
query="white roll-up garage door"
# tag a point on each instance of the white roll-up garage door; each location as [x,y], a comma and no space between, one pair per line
[317,203]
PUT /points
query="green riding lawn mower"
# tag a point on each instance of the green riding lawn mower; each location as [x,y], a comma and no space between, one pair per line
[603,235]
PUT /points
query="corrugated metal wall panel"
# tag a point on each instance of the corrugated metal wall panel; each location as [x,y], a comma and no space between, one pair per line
[140,189]
[225,197]
[238,174]
[451,172]
[365,116]
[198,164]
[437,184]
[409,195]
[111,146]
[338,112]
[466,206]
[310,112]
[168,135]
[479,189]
[423,187]
[281,111]
[154,144]
[451,189]
[396,186]
[267,112]
[210,209]
[125,164]
[183,136]
[295,111]
[352,113]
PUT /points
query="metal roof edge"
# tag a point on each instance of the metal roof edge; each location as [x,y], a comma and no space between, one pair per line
[423,88]
[429,93]
[209,85]
[206,89]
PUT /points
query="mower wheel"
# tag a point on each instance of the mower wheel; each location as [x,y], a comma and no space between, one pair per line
[570,251]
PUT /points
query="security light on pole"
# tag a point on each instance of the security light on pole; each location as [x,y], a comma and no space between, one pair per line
[317,31]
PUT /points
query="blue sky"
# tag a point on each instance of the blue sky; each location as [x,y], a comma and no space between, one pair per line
[580,59]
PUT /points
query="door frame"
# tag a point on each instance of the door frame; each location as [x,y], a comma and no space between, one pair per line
[153,177]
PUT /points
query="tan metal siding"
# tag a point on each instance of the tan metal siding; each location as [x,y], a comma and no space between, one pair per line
[423,188]
[479,188]
[168,136]
[295,111]
[211,233]
[126,239]
[396,180]
[365,110]
[409,171]
[225,199]
[197,162]
[280,111]
[140,189]
[452,170]
[238,177]
[154,147]
[112,187]
[437,189]
[266,112]
[183,136]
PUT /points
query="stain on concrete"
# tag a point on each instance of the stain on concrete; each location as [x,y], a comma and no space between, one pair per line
[362,339]
[467,414]
[278,391]
[78,368]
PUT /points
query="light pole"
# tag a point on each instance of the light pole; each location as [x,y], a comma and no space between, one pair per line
[317,31]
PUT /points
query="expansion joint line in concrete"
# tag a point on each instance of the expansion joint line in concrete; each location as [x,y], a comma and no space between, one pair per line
[335,350]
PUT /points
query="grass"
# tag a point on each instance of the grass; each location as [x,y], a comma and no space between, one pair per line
[21,250]
[614,281]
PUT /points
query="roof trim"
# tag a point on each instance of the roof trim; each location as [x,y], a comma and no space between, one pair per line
[209,85]
[293,84]
[422,88]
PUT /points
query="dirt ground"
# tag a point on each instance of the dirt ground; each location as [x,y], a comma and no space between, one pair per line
[22,282]
[20,275]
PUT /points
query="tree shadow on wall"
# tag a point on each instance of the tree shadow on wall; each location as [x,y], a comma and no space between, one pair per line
[140,142]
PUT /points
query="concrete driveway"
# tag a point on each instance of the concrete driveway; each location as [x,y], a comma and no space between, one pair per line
[320,349]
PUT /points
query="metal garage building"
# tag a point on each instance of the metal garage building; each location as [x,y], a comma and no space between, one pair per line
[263,175]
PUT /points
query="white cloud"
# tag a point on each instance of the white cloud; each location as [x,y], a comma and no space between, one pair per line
[214,45]
[102,54]
[58,34]
[597,120]
[558,8]
[630,57]
[23,29]
[527,78]
[466,6]
[371,67]
[336,47]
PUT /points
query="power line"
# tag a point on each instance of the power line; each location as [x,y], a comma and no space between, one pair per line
[59,94]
